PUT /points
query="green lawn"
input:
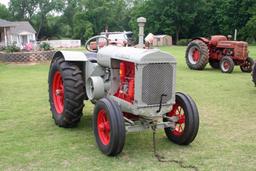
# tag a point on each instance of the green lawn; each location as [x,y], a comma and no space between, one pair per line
[30,141]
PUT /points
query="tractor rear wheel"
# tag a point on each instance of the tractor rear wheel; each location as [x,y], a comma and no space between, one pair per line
[66,92]
[186,127]
[227,64]
[247,66]
[214,64]
[109,127]
[197,55]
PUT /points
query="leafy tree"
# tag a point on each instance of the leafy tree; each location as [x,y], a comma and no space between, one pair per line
[22,10]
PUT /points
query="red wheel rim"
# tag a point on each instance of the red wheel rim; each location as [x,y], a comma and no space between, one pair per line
[196,55]
[58,92]
[178,111]
[226,65]
[103,127]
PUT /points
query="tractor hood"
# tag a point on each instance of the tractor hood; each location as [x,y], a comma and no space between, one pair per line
[131,54]
[232,44]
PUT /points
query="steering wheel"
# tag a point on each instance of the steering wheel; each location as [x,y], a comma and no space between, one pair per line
[96,38]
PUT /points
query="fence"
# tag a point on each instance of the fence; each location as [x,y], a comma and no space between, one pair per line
[38,56]
[64,43]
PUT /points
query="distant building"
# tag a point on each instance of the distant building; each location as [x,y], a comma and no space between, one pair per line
[162,40]
[18,32]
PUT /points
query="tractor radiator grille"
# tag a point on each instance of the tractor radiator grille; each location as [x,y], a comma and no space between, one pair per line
[157,80]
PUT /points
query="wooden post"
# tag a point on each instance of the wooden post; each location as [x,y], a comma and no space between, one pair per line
[5,37]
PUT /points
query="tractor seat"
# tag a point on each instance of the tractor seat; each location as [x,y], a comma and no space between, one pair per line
[92,56]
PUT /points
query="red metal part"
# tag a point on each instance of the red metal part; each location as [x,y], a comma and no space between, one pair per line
[126,87]
[216,39]
[226,65]
[178,111]
[103,126]
[196,55]
[58,92]
[205,40]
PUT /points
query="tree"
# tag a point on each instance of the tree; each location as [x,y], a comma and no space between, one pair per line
[22,10]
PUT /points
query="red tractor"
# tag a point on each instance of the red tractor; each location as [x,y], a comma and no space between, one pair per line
[219,52]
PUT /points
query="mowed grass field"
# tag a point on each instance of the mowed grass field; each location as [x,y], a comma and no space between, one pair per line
[29,139]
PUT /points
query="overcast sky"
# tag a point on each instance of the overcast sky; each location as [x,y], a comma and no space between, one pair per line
[5,2]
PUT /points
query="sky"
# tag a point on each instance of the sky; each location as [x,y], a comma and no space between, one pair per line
[5,2]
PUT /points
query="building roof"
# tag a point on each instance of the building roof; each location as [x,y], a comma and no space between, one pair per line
[22,27]
[161,36]
[4,23]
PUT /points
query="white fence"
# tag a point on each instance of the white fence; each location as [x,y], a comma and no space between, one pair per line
[64,43]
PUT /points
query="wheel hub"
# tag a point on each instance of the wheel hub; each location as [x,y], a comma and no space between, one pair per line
[180,124]
[58,92]
[103,127]
[196,55]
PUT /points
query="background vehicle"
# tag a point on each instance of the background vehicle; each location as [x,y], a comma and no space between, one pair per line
[133,90]
[219,52]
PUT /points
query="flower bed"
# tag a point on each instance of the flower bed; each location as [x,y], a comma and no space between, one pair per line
[22,57]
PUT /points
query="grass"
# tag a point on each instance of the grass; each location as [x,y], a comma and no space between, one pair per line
[30,140]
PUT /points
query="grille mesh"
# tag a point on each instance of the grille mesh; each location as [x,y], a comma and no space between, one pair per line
[157,80]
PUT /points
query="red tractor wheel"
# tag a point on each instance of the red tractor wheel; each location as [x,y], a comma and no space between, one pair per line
[227,64]
[187,125]
[109,127]
[197,55]
[66,92]
[247,66]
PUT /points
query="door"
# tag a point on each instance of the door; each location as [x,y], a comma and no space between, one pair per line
[24,39]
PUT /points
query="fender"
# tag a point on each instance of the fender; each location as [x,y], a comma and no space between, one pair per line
[71,56]
[205,40]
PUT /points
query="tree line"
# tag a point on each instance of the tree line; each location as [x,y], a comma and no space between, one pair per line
[183,19]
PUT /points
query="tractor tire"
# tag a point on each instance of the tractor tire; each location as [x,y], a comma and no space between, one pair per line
[197,55]
[247,66]
[214,64]
[254,73]
[109,127]
[188,124]
[66,92]
[227,64]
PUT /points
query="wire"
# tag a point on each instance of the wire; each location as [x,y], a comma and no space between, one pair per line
[161,158]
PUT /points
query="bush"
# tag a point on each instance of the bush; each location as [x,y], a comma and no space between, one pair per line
[11,48]
[45,46]
[183,42]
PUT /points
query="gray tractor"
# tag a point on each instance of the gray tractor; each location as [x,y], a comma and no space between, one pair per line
[133,90]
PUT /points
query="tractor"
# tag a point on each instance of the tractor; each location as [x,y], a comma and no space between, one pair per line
[133,90]
[220,52]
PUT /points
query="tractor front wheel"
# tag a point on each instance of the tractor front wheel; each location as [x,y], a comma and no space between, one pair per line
[109,127]
[197,55]
[66,92]
[227,65]
[247,66]
[186,127]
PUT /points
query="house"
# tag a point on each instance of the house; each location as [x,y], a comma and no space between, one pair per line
[162,40]
[18,32]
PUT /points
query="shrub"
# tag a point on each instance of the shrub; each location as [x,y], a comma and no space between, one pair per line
[45,46]
[183,42]
[12,48]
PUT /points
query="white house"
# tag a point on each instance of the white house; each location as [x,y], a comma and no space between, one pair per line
[18,32]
